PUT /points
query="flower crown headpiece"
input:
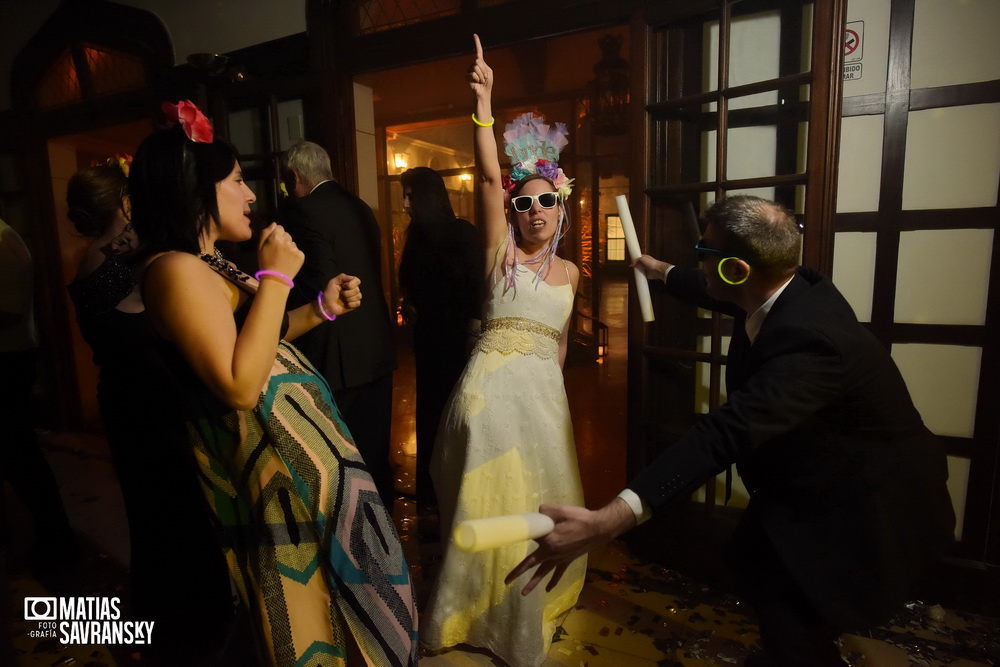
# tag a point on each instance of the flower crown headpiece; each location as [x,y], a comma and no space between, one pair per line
[186,114]
[121,160]
[534,147]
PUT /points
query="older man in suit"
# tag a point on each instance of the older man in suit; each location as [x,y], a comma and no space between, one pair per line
[338,233]
[848,501]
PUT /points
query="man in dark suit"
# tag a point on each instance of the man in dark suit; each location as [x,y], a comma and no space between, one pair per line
[338,233]
[847,487]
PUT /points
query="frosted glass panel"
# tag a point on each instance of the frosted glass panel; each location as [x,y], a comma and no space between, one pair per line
[751,152]
[955,41]
[291,126]
[740,496]
[943,382]
[710,68]
[952,157]
[245,131]
[708,147]
[754,41]
[958,489]
[943,276]
[701,375]
[854,270]
[367,169]
[364,109]
[860,164]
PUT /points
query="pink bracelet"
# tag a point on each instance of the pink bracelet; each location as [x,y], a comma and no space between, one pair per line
[322,310]
[275,274]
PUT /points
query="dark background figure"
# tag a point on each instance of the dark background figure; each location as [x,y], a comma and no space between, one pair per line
[177,574]
[338,233]
[22,462]
[440,274]
[848,499]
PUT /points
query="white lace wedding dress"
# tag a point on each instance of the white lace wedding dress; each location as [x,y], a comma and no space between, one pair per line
[505,446]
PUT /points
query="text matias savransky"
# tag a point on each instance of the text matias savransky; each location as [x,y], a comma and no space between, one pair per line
[85,620]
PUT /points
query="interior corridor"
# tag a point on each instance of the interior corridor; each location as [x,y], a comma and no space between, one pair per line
[633,612]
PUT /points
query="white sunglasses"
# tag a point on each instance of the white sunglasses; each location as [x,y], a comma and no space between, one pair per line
[522,203]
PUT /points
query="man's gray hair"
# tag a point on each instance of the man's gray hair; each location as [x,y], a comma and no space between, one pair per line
[310,161]
[761,232]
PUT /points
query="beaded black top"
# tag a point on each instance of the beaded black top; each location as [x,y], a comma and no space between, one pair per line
[101,290]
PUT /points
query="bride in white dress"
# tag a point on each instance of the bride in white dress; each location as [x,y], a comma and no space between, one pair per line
[505,445]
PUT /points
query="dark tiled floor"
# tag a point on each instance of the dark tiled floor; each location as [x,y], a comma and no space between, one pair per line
[632,612]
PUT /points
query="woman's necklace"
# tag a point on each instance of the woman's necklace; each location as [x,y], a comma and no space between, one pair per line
[218,262]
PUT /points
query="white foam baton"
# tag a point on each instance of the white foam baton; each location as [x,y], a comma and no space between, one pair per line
[632,243]
[481,534]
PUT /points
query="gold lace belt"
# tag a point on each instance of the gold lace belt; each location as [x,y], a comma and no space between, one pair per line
[509,335]
[521,324]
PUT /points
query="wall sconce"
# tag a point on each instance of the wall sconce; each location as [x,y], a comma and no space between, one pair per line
[401,161]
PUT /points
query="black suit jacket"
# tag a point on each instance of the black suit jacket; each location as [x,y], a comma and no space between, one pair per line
[845,480]
[338,233]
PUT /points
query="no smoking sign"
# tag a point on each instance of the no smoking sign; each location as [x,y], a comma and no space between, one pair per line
[854,37]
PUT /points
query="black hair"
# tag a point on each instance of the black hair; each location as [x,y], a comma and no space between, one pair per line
[172,185]
[94,196]
[428,196]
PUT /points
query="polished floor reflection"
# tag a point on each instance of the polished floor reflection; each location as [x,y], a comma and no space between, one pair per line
[632,612]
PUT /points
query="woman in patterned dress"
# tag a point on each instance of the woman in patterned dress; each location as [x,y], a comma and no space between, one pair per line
[173,555]
[313,551]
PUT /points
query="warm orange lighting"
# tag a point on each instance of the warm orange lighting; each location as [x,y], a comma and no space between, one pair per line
[401,161]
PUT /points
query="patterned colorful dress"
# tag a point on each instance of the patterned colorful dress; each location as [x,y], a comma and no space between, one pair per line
[312,549]
[505,446]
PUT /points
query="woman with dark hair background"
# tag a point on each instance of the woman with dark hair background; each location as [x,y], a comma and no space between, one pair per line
[174,556]
[313,552]
[440,275]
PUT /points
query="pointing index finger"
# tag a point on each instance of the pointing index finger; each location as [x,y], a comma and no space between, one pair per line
[479,46]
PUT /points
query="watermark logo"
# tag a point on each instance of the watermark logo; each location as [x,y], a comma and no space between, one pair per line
[40,609]
[84,620]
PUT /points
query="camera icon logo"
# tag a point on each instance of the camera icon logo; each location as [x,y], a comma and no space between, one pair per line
[40,609]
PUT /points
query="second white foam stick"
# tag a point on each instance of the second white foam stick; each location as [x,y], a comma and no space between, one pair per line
[632,243]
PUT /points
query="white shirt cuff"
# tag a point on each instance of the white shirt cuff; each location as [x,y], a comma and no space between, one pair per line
[667,272]
[638,506]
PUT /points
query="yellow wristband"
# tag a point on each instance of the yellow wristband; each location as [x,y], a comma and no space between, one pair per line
[476,121]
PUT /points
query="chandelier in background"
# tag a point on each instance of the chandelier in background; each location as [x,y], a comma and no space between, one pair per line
[609,90]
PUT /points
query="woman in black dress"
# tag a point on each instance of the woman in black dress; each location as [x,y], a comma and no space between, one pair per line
[440,274]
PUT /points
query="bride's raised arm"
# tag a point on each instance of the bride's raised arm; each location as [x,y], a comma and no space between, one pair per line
[493,224]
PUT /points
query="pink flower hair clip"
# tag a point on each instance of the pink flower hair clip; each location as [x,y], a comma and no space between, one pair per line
[191,119]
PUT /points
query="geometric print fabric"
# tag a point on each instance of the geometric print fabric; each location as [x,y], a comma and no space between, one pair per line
[314,553]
